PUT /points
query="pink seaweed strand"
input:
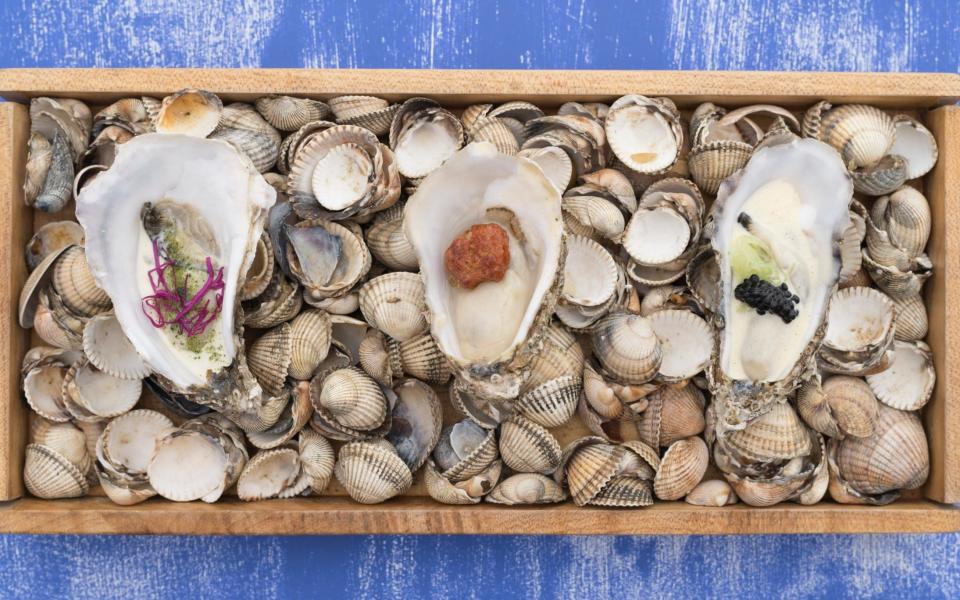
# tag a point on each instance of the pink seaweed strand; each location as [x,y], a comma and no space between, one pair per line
[192,315]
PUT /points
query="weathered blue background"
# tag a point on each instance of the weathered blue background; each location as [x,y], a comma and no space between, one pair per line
[742,34]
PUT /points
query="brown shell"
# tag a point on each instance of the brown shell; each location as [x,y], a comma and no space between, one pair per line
[895,457]
[681,469]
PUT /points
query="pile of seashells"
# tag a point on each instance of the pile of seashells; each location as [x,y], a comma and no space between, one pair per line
[269,296]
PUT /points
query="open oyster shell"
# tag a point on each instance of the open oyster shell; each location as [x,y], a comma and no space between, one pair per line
[781,219]
[489,332]
[199,202]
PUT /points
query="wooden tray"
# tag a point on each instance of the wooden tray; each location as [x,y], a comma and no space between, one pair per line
[930,97]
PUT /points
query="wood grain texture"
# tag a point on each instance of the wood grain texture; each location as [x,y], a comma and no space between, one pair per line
[942,416]
[17,226]
[460,88]
[411,515]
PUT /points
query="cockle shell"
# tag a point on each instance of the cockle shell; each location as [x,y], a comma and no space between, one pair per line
[894,457]
[778,434]
[417,422]
[468,491]
[553,402]
[681,469]
[294,415]
[686,343]
[627,347]
[644,133]
[271,474]
[862,134]
[52,238]
[464,450]
[372,472]
[852,404]
[915,144]
[907,383]
[107,347]
[49,475]
[712,492]
[527,447]
[860,330]
[527,488]
[90,394]
[394,304]
[350,398]
[287,113]
[388,243]
[423,136]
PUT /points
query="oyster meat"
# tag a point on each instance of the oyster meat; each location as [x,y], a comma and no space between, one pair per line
[171,230]
[482,206]
[776,228]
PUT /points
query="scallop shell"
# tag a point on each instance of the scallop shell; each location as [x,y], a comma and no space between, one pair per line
[894,457]
[287,113]
[527,488]
[907,383]
[268,474]
[269,358]
[495,131]
[852,404]
[681,469]
[108,348]
[49,475]
[778,434]
[552,403]
[627,347]
[527,447]
[189,112]
[712,492]
[394,303]
[372,472]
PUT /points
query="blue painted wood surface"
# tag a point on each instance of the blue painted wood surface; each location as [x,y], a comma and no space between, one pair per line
[912,35]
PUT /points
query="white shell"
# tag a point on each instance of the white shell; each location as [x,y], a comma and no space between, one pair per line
[907,383]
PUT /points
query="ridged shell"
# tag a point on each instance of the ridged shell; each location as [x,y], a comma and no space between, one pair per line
[416,424]
[261,270]
[371,472]
[269,358]
[422,358]
[814,409]
[627,347]
[588,464]
[476,461]
[681,469]
[283,304]
[377,121]
[895,457]
[686,342]
[527,488]
[629,127]
[554,163]
[390,246]
[287,113]
[43,389]
[912,322]
[268,474]
[128,442]
[49,475]
[713,162]
[595,216]
[63,438]
[352,264]
[881,178]
[443,491]
[108,348]
[495,131]
[862,134]
[310,335]
[590,275]
[351,397]
[681,413]
[552,403]
[394,303]
[415,157]
[712,492]
[778,434]
[316,459]
[346,107]
[560,356]
[90,394]
[49,329]
[907,383]
[74,282]
[527,447]
[905,216]
[852,404]
[624,492]
[295,415]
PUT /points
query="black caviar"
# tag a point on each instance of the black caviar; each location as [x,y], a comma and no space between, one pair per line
[766,297]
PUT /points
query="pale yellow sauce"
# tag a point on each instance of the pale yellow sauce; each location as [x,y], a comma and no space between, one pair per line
[763,347]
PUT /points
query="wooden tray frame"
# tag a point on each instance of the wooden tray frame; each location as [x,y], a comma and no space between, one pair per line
[932,96]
